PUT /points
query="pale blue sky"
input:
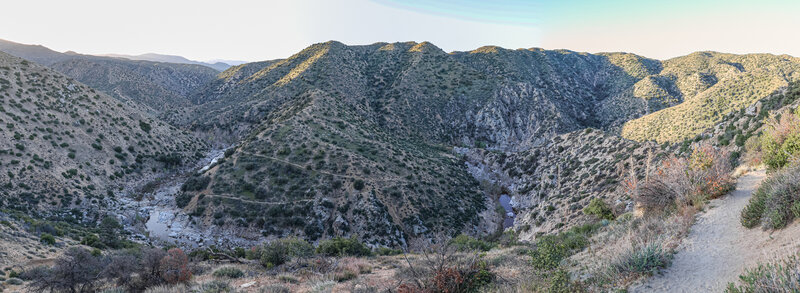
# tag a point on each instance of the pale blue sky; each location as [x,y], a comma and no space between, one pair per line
[260,30]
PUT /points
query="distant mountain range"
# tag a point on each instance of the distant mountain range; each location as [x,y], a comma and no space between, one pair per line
[219,65]
[156,85]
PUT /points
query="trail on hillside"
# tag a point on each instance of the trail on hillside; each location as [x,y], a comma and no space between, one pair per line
[718,248]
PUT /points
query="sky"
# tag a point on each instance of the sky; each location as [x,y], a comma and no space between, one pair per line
[269,29]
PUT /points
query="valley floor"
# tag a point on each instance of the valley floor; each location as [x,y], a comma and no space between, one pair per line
[719,249]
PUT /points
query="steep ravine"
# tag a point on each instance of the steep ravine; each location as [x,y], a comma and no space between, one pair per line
[153,217]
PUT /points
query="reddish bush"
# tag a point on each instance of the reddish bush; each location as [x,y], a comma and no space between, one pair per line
[174,267]
[705,174]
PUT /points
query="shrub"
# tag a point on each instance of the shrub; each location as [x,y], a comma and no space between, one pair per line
[467,279]
[47,239]
[776,201]
[466,243]
[76,271]
[228,272]
[93,241]
[358,184]
[385,251]
[781,141]
[779,276]
[597,207]
[196,183]
[183,199]
[343,247]
[14,281]
[552,249]
[705,174]
[280,251]
[642,259]
[145,126]
[174,267]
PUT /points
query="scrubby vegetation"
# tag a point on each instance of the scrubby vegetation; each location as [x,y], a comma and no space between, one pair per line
[680,181]
[780,142]
[775,276]
[776,202]
[598,208]
[81,270]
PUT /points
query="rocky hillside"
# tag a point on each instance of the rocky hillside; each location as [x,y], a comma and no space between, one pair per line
[418,90]
[341,117]
[550,184]
[709,86]
[157,85]
[67,145]
[357,140]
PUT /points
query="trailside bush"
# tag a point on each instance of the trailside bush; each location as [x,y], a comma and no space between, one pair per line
[343,247]
[776,202]
[779,276]
[597,207]
[705,174]
[644,259]
[552,249]
[282,250]
[781,141]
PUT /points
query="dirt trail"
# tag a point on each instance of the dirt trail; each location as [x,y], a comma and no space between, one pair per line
[718,248]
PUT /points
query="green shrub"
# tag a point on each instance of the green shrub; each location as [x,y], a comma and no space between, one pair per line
[552,249]
[358,184]
[282,250]
[597,207]
[92,240]
[145,126]
[776,202]
[14,281]
[781,141]
[466,243]
[779,276]
[47,239]
[387,251]
[228,272]
[183,199]
[643,259]
[196,183]
[343,246]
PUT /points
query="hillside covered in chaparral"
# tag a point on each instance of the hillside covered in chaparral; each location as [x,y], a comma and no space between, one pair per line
[398,167]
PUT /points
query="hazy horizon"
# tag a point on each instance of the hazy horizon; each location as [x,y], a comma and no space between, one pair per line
[204,30]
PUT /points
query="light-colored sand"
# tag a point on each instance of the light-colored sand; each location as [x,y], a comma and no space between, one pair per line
[718,248]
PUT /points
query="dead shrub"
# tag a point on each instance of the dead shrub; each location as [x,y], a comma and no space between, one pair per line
[705,174]
[174,267]
[441,268]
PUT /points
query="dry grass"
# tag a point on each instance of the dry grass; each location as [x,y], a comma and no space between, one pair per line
[632,248]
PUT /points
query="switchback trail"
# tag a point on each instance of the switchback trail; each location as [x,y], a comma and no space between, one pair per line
[718,248]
